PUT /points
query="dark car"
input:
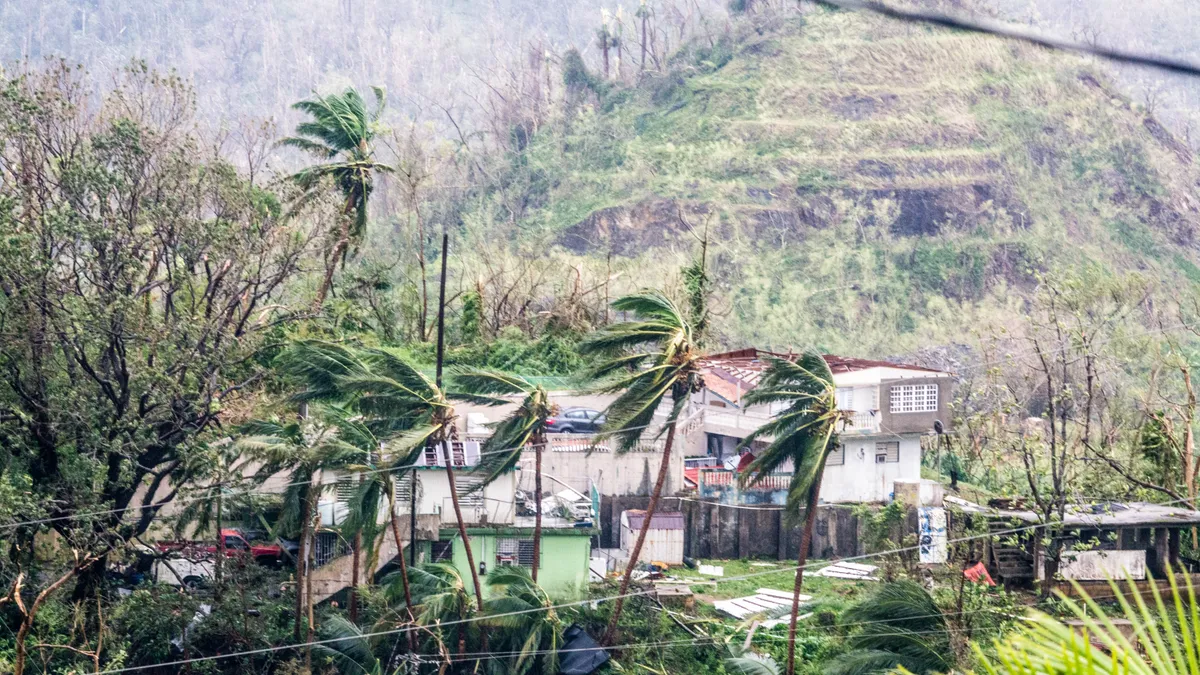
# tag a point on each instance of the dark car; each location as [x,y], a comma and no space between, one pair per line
[575,421]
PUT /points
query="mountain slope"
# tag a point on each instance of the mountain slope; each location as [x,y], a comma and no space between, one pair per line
[874,186]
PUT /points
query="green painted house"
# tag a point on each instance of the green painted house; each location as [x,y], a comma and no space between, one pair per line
[566,552]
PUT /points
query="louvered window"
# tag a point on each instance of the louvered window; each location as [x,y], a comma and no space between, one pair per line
[887,452]
[837,457]
[345,489]
[511,551]
[404,489]
[469,489]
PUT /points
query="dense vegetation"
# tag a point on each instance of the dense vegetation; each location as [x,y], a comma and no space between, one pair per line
[170,295]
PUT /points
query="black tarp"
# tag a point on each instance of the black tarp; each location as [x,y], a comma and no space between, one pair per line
[580,654]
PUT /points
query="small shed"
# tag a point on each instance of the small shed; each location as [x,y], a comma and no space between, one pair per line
[664,539]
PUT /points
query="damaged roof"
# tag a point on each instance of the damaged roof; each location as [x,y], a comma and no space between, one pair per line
[1099,515]
[732,374]
[663,520]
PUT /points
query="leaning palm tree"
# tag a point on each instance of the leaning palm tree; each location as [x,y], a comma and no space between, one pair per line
[803,432]
[347,649]
[415,413]
[528,627]
[524,427]
[644,361]
[339,135]
[900,627]
[304,449]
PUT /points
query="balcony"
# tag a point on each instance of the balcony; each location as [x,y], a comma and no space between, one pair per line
[864,422]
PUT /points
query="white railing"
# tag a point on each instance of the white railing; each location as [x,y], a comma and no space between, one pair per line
[863,422]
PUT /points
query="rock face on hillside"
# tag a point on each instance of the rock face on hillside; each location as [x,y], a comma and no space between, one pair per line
[936,173]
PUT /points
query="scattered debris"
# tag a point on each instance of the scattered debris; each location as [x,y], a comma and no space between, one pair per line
[848,570]
[599,568]
[581,654]
[979,574]
[763,565]
[712,570]
[763,600]
[778,622]
[675,595]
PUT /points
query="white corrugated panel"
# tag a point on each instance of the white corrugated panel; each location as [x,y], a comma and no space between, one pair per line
[660,546]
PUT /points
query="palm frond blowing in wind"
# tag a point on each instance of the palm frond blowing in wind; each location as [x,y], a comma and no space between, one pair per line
[644,361]
[804,431]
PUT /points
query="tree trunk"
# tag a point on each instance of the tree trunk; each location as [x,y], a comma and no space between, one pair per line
[462,527]
[355,577]
[663,469]
[219,566]
[403,569]
[301,564]
[539,443]
[810,517]
[645,17]
[308,593]
[331,266]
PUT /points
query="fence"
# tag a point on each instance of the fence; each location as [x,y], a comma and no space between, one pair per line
[329,545]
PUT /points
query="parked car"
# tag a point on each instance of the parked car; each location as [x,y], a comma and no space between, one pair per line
[575,421]
[237,544]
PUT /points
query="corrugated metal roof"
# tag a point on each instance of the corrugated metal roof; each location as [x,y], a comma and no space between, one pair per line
[663,520]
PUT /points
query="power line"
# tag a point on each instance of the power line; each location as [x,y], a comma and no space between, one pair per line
[1007,30]
[578,603]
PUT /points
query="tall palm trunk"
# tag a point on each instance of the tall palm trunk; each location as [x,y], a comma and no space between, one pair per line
[810,517]
[539,443]
[308,594]
[302,561]
[462,527]
[355,575]
[403,566]
[663,469]
[219,566]
[339,248]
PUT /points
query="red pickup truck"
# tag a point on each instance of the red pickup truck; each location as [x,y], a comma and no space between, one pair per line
[236,544]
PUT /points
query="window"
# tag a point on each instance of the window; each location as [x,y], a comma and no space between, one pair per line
[345,489]
[914,398]
[442,551]
[404,488]
[717,404]
[458,451]
[511,551]
[845,398]
[887,452]
[469,489]
[837,457]
[432,455]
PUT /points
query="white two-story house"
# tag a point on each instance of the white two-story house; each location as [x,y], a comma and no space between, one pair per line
[891,405]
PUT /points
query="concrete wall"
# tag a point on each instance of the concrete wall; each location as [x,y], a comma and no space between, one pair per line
[861,479]
[915,422]
[715,531]
[632,473]
[565,555]
[491,505]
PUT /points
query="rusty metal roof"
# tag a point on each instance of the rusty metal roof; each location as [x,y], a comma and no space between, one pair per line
[732,374]
[663,520]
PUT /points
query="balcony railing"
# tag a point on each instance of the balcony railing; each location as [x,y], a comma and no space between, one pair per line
[863,422]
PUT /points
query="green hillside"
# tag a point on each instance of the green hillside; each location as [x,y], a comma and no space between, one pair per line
[928,176]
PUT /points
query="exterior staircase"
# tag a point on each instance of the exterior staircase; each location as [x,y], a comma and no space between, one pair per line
[331,577]
[1010,562]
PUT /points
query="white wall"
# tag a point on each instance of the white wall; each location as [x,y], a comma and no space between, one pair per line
[613,474]
[494,504]
[861,479]
[660,545]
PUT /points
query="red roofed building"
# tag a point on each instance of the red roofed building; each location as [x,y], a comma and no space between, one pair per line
[891,404]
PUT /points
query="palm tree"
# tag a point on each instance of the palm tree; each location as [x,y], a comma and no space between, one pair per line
[441,597]
[524,427]
[223,469]
[339,135]
[804,432]
[377,489]
[1164,621]
[416,413]
[645,361]
[347,648]
[530,636]
[305,449]
[901,627]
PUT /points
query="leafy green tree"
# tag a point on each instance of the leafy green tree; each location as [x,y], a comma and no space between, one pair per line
[340,135]
[439,598]
[901,627]
[524,427]
[140,273]
[644,361]
[803,432]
